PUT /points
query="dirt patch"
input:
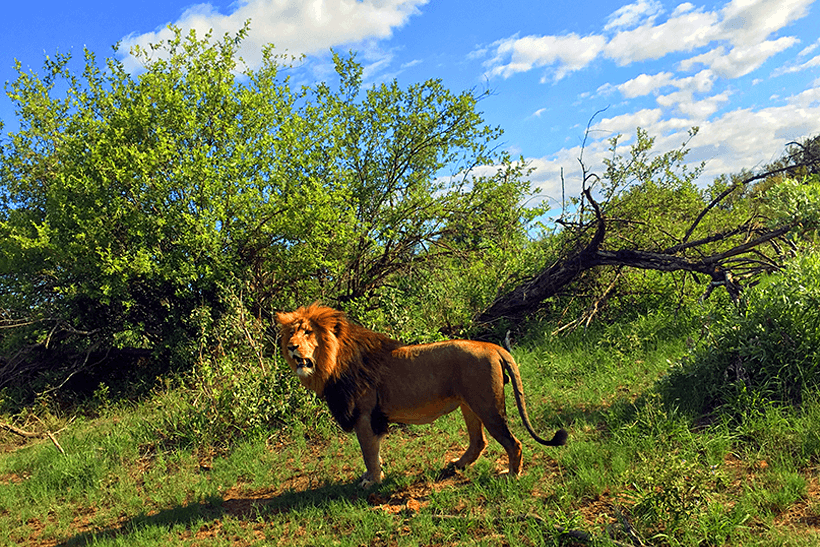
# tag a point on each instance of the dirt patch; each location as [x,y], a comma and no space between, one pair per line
[599,512]
[415,497]
[11,478]
[805,514]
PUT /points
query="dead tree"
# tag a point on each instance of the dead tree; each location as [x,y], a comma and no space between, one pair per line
[739,261]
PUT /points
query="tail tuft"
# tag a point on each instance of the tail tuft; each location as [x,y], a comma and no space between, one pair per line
[560,438]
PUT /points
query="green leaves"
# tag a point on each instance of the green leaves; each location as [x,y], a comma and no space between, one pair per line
[791,201]
[129,201]
[128,198]
[765,350]
[640,186]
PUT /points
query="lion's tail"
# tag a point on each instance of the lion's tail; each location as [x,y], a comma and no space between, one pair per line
[560,437]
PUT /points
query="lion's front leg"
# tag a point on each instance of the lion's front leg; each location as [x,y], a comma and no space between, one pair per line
[370,444]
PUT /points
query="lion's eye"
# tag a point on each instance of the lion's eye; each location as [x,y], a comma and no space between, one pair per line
[308,332]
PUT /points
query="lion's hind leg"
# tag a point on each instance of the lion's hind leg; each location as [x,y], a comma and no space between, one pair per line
[475,430]
[500,431]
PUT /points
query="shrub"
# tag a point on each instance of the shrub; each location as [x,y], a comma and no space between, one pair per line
[764,350]
[239,387]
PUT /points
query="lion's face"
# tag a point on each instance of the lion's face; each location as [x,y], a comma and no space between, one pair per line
[302,346]
[310,344]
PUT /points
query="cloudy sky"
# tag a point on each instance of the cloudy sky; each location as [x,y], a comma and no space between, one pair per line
[747,72]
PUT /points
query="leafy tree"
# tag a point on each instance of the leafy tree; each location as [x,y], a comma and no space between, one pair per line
[133,206]
[122,194]
[403,170]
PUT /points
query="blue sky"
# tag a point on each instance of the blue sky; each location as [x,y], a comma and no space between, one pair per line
[747,72]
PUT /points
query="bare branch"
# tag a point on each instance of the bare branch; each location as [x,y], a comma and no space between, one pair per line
[20,432]
[720,197]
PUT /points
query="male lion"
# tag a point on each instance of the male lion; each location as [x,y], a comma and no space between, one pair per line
[369,380]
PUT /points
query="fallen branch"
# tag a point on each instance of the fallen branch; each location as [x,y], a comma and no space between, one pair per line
[636,540]
[54,440]
[21,432]
[599,235]
[31,435]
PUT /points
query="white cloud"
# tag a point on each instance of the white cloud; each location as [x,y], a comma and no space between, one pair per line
[737,35]
[749,138]
[697,111]
[626,123]
[683,8]
[748,22]
[633,14]
[684,99]
[809,49]
[645,84]
[791,69]
[294,25]
[738,139]
[570,53]
[725,42]
[740,61]
[684,32]
[741,138]
[549,171]
[809,98]
[701,82]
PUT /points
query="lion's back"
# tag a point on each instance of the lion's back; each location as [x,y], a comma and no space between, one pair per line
[450,351]
[443,367]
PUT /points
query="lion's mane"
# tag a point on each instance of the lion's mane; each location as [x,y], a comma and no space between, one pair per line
[349,362]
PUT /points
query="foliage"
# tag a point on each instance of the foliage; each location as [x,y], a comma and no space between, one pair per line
[791,199]
[132,203]
[234,391]
[801,160]
[131,199]
[649,199]
[765,350]
[406,211]
[640,187]
[667,241]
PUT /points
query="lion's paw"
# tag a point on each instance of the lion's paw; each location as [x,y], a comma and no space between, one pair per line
[507,474]
[366,481]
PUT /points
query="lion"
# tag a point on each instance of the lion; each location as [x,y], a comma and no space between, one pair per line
[370,380]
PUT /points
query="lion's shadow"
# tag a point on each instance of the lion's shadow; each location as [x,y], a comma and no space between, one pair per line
[209,511]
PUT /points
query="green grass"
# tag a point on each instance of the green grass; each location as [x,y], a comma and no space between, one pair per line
[635,466]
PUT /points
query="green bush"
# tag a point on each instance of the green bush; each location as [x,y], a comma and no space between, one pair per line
[765,350]
[239,387]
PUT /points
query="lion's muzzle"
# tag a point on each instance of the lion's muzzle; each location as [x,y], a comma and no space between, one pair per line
[304,366]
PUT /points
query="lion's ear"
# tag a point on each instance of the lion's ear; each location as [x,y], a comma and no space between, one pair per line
[283,318]
[339,326]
